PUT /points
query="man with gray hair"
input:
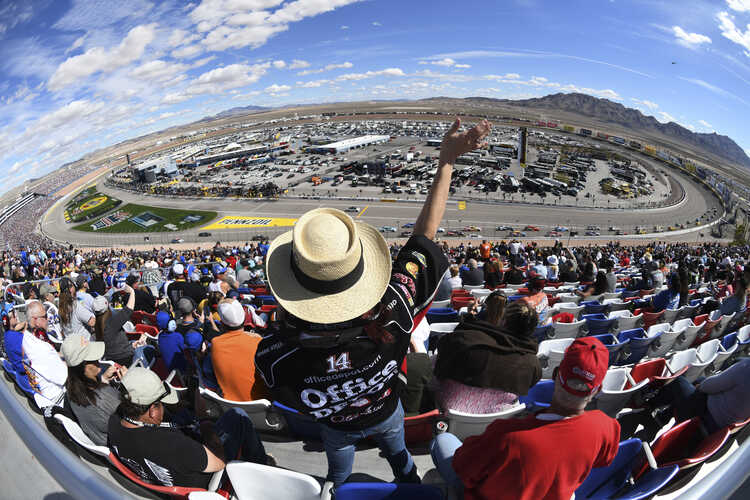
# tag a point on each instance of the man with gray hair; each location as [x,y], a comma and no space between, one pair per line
[546,455]
[473,276]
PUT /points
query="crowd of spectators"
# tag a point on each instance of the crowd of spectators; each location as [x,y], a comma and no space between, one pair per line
[344,345]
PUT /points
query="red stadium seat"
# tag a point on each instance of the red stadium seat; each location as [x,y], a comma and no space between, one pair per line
[655,371]
[151,331]
[685,445]
[459,302]
[650,318]
[419,428]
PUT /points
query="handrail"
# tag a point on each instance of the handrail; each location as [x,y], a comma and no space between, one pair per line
[723,481]
[79,480]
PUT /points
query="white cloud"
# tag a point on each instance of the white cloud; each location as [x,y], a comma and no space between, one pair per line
[462,66]
[376,23]
[277,89]
[371,74]
[705,124]
[665,117]
[733,33]
[649,104]
[187,51]
[689,40]
[713,88]
[158,70]
[299,64]
[181,37]
[98,59]
[279,64]
[344,27]
[14,13]
[78,42]
[327,67]
[226,78]
[313,84]
[739,5]
[447,62]
[63,116]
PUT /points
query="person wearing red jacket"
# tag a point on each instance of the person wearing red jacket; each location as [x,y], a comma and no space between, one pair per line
[543,456]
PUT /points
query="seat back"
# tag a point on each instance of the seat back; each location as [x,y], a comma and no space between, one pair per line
[683,445]
[722,328]
[598,323]
[628,323]
[550,354]
[663,344]
[418,428]
[76,434]
[647,370]
[687,311]
[689,334]
[387,491]
[250,480]
[443,327]
[463,425]
[441,303]
[650,318]
[670,315]
[568,307]
[567,330]
[639,343]
[539,395]
[151,331]
[259,410]
[605,482]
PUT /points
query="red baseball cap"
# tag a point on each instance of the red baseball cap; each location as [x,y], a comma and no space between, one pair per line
[586,361]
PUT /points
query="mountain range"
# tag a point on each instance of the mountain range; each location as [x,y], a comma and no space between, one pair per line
[605,110]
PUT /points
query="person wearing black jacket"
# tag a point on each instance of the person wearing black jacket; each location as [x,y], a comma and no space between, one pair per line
[483,367]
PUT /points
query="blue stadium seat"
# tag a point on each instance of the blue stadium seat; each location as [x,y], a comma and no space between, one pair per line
[300,426]
[387,491]
[593,307]
[616,348]
[639,344]
[598,323]
[539,395]
[542,332]
[442,315]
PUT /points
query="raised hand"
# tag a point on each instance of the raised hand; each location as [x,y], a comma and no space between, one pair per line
[456,143]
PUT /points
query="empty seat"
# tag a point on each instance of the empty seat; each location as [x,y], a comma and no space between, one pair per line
[598,323]
[655,371]
[667,338]
[473,287]
[257,410]
[569,297]
[680,361]
[418,428]
[463,425]
[616,348]
[251,480]
[616,481]
[617,305]
[685,446]
[441,315]
[614,396]
[670,315]
[705,354]
[639,344]
[743,339]
[566,330]
[550,354]
[569,307]
[441,303]
[594,307]
[481,293]
[690,332]
[723,327]
[625,320]
[708,327]
[687,311]
[387,491]
[727,348]
[611,295]
[650,318]
[543,332]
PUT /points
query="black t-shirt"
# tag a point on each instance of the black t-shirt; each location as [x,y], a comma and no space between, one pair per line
[160,455]
[144,301]
[194,290]
[356,384]
[175,291]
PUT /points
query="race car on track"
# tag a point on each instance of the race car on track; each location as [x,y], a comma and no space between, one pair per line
[531,228]
[517,233]
[473,229]
[554,234]
[352,209]
[387,229]
[504,228]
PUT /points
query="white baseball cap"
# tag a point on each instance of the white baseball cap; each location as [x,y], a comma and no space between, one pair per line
[143,387]
[100,304]
[232,313]
[178,269]
[76,349]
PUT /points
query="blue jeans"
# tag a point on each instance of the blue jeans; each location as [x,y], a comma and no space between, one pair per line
[146,353]
[389,434]
[687,402]
[442,449]
[241,442]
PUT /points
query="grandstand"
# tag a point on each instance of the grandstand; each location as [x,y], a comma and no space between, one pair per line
[14,208]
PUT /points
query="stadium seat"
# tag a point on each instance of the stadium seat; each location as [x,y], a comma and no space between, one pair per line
[568,307]
[727,348]
[438,304]
[463,425]
[687,311]
[723,327]
[388,491]
[258,410]
[615,480]
[690,332]
[650,318]
[441,315]
[459,302]
[655,371]
[250,480]
[639,344]
[616,348]
[594,307]
[743,339]
[567,330]
[539,395]
[418,429]
[704,356]
[152,333]
[437,331]
[81,439]
[611,295]
[667,338]
[684,445]
[550,354]
[543,332]
[469,288]
[614,396]
[625,320]
[617,305]
[516,287]
[598,323]
[708,327]
[481,294]
[670,315]
[569,297]
[737,427]
[571,283]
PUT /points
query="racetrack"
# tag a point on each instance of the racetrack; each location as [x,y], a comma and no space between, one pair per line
[377,213]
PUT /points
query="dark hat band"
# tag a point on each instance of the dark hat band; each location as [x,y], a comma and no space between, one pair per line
[333,286]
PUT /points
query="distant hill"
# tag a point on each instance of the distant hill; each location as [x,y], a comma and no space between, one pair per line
[613,112]
[238,111]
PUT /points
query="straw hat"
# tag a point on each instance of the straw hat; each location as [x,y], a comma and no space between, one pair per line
[328,269]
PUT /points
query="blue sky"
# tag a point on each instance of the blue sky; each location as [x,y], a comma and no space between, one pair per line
[83,74]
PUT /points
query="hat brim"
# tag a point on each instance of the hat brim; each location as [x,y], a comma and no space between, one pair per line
[336,307]
[172,398]
[94,351]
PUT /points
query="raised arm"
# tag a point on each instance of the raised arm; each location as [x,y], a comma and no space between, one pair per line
[454,144]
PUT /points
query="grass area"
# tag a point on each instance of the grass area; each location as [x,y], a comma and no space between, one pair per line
[89,204]
[168,216]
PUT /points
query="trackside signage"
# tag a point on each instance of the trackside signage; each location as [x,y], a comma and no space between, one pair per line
[231,222]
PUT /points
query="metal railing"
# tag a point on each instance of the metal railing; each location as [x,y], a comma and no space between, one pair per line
[723,481]
[79,480]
